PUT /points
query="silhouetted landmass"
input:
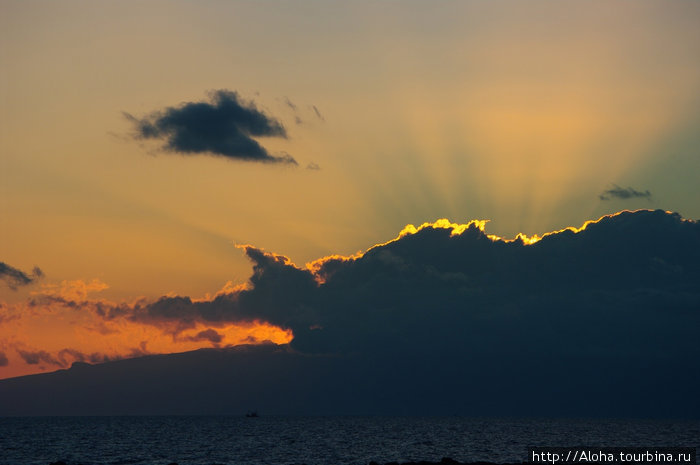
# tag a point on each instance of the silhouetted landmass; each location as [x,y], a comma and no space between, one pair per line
[599,323]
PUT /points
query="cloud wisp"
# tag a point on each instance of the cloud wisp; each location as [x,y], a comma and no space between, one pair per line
[15,278]
[617,192]
[318,113]
[223,126]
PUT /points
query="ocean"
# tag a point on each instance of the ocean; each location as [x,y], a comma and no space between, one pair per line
[207,440]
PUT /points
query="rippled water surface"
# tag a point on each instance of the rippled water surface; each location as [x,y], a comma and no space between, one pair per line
[313,440]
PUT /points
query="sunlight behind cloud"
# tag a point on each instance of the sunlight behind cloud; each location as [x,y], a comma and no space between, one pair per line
[531,117]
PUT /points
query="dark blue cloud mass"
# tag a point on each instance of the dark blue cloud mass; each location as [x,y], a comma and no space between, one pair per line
[644,262]
[224,126]
[596,321]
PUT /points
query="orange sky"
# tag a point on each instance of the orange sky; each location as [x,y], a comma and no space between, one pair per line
[60,324]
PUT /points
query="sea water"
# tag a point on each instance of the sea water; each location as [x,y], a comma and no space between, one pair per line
[207,440]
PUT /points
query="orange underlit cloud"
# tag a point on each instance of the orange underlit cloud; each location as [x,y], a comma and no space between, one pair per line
[63,323]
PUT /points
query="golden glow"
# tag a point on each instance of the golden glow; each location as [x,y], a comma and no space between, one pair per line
[315,266]
[457,229]
[444,223]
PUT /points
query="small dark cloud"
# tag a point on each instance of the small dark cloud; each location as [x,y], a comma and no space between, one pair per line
[223,126]
[318,113]
[3,360]
[313,166]
[623,193]
[40,356]
[15,278]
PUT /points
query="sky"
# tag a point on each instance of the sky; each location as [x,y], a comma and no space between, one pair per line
[146,148]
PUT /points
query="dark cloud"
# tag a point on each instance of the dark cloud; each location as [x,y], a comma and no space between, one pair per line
[445,319]
[3,359]
[313,166]
[274,276]
[623,193]
[223,126]
[465,285]
[168,309]
[37,357]
[15,278]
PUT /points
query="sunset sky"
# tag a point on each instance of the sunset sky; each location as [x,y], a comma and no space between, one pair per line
[532,115]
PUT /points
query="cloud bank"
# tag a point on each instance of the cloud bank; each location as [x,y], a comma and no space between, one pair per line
[458,282]
[447,319]
[15,278]
[224,126]
[450,288]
